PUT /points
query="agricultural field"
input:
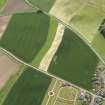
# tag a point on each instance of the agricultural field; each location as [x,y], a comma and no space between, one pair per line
[2,2]
[15,6]
[74,61]
[45,4]
[46,52]
[51,35]
[30,88]
[66,95]
[85,20]
[87,24]
[81,15]
[10,70]
[3,24]
[103,103]
[33,35]
[8,67]
[67,9]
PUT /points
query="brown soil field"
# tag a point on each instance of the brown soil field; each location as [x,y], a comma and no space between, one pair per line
[15,6]
[8,67]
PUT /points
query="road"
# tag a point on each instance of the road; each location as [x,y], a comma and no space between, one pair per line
[46,73]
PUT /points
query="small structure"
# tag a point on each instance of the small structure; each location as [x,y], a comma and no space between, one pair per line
[39,11]
[65,84]
[98,101]
[102,28]
[51,93]
[85,97]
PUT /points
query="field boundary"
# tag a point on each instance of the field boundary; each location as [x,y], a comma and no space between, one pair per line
[46,60]
[75,31]
[59,97]
[51,90]
[46,73]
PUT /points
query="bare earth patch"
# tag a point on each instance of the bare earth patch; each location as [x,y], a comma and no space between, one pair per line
[51,52]
[3,24]
[14,6]
[7,68]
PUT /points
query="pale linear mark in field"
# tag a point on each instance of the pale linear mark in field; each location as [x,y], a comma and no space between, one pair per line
[51,52]
[66,19]
[51,90]
[75,98]
[56,97]
[78,10]
[27,1]
[26,64]
[67,99]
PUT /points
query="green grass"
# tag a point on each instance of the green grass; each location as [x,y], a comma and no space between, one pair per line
[46,46]
[44,4]
[103,103]
[74,61]
[26,34]
[99,44]
[85,20]
[2,2]
[29,89]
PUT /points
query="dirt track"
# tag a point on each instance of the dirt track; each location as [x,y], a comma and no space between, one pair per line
[7,68]
[55,44]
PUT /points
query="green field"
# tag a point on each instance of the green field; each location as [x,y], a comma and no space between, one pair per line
[26,34]
[2,2]
[51,35]
[87,22]
[29,89]
[83,16]
[103,103]
[8,85]
[44,4]
[74,61]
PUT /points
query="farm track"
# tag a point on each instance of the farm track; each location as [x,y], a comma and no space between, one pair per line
[76,32]
[78,35]
[51,52]
[46,73]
